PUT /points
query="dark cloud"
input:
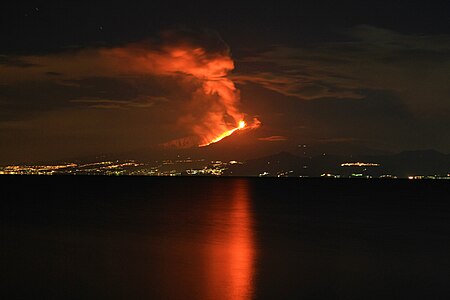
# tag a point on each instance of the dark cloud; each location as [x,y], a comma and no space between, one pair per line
[50,73]
[142,102]
[23,99]
[374,86]
[414,67]
[380,120]
[12,61]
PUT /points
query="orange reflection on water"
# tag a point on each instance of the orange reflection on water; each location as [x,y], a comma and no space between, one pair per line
[230,249]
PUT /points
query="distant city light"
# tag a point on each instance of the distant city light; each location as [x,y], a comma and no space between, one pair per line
[359,164]
[197,167]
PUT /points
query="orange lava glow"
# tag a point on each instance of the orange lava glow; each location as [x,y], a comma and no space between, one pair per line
[214,105]
[240,126]
[231,250]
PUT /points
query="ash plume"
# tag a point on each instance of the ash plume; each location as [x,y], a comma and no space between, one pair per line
[205,60]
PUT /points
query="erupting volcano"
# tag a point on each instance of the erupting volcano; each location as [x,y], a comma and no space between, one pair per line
[203,62]
[225,134]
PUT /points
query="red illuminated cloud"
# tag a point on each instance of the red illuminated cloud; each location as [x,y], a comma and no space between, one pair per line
[213,111]
[273,138]
[202,103]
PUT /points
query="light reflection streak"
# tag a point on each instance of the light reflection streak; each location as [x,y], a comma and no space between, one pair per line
[230,251]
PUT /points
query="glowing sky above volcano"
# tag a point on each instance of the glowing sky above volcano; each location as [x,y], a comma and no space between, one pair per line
[214,108]
[155,78]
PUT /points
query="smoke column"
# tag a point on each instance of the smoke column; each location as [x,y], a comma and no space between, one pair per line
[206,59]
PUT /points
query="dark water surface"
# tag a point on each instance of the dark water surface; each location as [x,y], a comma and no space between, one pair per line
[223,238]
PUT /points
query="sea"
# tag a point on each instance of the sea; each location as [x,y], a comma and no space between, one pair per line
[99,237]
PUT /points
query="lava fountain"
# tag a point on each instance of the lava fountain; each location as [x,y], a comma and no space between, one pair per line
[240,126]
[201,64]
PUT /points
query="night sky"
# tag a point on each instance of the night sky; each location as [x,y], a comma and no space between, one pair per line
[81,79]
